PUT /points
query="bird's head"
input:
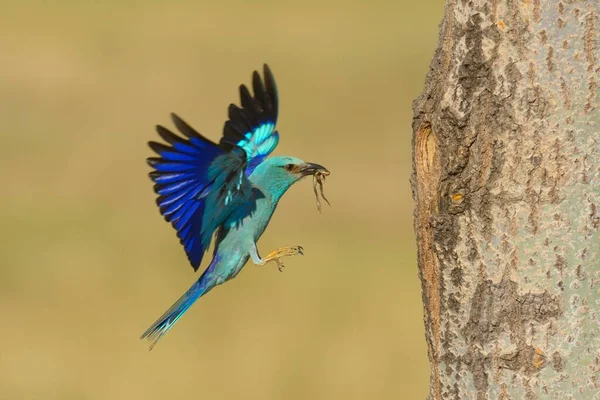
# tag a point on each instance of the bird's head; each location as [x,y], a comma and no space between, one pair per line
[278,174]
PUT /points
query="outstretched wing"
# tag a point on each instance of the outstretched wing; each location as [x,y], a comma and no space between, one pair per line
[182,182]
[200,184]
[249,135]
[252,127]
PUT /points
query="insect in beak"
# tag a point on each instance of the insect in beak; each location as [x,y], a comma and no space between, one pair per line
[319,173]
[313,169]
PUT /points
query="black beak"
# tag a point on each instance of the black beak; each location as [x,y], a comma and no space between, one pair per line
[311,169]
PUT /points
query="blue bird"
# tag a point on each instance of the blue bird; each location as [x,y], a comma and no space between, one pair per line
[227,190]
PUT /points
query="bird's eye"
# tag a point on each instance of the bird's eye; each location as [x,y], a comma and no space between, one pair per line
[289,167]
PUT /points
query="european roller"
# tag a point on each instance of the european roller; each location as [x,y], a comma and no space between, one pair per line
[228,191]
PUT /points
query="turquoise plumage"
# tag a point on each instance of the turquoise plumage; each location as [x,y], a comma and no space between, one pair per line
[227,190]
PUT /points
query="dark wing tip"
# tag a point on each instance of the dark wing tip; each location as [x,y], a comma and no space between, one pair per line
[246,97]
[158,148]
[269,78]
[267,72]
[256,109]
[256,77]
[186,129]
[183,126]
[167,135]
[153,161]
[271,87]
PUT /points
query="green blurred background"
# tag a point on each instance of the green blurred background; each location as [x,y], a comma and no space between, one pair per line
[87,262]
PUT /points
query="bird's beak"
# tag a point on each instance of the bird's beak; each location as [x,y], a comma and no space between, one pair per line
[311,169]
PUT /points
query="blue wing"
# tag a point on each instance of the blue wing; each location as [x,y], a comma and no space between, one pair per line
[199,183]
[182,183]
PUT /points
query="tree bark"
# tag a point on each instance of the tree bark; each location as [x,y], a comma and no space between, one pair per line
[506,183]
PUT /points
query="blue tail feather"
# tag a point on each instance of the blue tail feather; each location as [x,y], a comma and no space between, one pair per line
[176,311]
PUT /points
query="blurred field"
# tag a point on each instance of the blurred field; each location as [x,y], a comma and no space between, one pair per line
[87,263]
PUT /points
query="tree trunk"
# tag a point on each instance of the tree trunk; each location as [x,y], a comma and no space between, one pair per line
[506,183]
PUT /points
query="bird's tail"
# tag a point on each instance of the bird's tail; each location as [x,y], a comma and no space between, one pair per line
[172,315]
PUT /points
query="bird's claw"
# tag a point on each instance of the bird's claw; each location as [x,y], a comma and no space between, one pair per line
[282,252]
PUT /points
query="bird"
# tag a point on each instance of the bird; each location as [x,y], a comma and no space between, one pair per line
[226,191]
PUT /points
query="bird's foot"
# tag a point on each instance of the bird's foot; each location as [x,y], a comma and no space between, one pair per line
[287,251]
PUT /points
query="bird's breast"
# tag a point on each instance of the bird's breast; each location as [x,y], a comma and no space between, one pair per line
[262,216]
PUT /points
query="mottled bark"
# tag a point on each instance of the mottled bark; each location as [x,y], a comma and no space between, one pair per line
[506,185]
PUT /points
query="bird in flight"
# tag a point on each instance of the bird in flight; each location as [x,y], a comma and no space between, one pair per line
[227,190]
